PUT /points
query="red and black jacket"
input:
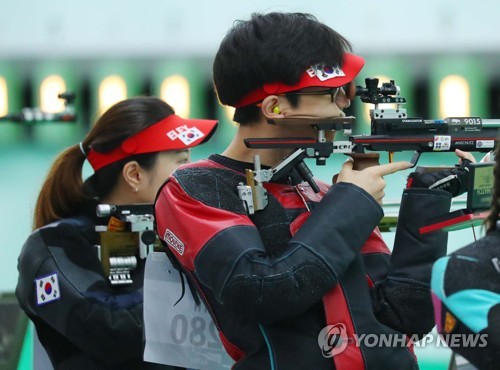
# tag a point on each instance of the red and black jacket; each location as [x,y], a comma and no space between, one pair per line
[275,279]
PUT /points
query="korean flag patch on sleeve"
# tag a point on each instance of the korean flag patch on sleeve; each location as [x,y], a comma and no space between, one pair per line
[47,289]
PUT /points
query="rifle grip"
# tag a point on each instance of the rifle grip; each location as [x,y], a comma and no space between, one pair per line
[364,160]
[361,161]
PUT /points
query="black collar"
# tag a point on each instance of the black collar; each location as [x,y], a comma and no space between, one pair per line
[292,179]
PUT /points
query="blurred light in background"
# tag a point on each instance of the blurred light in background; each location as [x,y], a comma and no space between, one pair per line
[112,89]
[175,91]
[50,78]
[50,88]
[228,112]
[226,128]
[111,81]
[458,87]
[4,97]
[454,97]
[10,103]
[181,84]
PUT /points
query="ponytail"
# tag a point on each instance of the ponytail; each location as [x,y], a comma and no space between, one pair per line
[62,193]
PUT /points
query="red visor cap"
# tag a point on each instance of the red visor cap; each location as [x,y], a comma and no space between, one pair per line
[318,75]
[171,133]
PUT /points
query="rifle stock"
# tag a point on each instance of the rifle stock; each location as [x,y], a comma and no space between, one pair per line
[128,236]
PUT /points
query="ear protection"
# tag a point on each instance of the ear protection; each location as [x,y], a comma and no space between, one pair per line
[276,110]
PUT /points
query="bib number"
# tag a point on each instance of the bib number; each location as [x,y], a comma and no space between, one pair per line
[180,334]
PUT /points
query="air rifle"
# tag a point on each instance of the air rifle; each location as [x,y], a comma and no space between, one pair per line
[36,115]
[128,235]
[391,131]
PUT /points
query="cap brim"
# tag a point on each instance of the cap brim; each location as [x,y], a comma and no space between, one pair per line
[312,77]
[171,133]
[176,133]
[350,69]
[207,127]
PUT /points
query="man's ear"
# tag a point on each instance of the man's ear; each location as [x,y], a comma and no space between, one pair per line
[270,107]
[132,174]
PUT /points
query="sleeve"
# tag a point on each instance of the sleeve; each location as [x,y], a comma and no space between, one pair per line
[402,299]
[226,253]
[470,307]
[76,301]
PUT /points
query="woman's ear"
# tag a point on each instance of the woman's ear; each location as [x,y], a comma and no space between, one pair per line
[270,107]
[132,174]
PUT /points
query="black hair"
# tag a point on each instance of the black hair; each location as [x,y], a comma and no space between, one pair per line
[273,47]
[63,193]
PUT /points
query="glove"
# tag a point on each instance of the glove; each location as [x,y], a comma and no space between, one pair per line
[453,180]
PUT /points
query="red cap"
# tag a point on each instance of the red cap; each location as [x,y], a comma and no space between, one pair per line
[171,133]
[318,75]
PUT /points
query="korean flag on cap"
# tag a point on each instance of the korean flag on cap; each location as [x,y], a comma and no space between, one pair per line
[47,289]
[325,72]
[190,135]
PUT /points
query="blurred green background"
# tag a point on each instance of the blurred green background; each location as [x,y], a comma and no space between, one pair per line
[444,56]
[27,150]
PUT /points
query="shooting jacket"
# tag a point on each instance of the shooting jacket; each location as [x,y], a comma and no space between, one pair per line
[81,321]
[274,280]
[466,295]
